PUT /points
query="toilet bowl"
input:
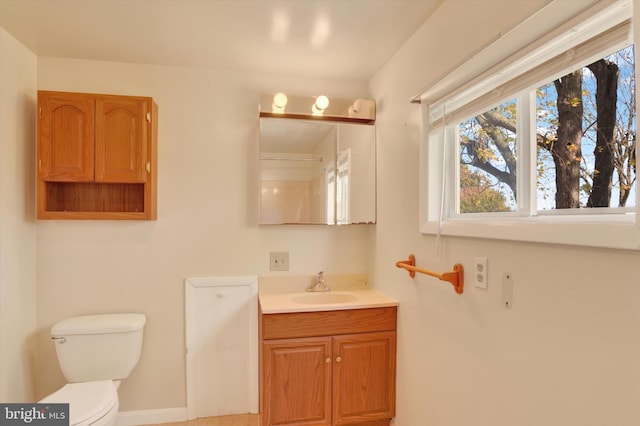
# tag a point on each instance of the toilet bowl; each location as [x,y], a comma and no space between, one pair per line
[90,403]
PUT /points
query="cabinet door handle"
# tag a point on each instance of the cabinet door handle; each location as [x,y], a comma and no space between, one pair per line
[338,359]
[328,360]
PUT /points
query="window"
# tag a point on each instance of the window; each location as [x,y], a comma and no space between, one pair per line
[488,151]
[540,146]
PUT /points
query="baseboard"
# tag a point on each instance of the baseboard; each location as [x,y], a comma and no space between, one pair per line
[151,417]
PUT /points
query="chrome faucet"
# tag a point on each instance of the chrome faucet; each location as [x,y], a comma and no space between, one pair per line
[320,284]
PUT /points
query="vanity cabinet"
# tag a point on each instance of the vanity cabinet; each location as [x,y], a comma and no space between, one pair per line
[96,156]
[328,368]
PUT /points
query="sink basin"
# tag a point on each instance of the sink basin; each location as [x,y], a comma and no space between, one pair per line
[323,298]
[279,302]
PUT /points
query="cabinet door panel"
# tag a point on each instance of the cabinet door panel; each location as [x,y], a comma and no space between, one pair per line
[65,137]
[297,382]
[364,377]
[121,139]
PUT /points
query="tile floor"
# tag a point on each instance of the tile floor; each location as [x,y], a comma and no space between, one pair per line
[235,420]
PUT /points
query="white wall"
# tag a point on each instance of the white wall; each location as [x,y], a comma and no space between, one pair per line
[567,353]
[17,221]
[207,215]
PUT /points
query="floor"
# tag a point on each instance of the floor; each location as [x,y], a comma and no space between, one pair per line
[235,420]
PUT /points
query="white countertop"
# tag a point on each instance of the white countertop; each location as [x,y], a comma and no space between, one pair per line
[287,302]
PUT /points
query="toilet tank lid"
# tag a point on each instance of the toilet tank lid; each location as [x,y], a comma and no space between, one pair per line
[99,324]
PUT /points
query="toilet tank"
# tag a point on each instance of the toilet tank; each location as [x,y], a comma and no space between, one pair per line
[98,347]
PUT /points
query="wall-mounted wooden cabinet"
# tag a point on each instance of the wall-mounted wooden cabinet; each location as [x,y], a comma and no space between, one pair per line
[328,368]
[97,156]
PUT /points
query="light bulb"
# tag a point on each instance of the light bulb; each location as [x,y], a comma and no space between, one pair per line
[322,102]
[280,100]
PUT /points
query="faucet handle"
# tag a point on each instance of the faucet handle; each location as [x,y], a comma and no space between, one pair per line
[320,277]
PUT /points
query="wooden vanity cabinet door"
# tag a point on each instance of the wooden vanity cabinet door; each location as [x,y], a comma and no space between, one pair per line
[121,139]
[65,137]
[297,381]
[364,377]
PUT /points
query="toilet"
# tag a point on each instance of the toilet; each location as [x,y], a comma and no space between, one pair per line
[95,353]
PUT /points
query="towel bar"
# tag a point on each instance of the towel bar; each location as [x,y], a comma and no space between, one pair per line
[456,277]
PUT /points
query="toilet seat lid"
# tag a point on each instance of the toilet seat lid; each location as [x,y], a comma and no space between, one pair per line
[88,400]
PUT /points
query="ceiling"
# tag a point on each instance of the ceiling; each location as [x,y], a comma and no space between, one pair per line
[346,39]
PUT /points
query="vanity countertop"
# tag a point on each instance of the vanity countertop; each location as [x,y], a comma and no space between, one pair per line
[287,302]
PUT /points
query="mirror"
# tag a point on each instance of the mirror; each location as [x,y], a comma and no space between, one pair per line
[316,171]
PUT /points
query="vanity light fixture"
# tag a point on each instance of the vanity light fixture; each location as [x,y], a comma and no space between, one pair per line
[281,105]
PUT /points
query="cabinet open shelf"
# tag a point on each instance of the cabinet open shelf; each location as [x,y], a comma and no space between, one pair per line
[64,199]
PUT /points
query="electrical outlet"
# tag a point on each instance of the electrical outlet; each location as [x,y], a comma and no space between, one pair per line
[480,272]
[279,261]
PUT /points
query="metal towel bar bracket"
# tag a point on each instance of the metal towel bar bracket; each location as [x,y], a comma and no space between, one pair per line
[456,277]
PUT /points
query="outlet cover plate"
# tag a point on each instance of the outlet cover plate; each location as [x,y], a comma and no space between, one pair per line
[480,272]
[279,261]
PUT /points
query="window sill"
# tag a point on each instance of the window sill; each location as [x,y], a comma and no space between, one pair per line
[623,233]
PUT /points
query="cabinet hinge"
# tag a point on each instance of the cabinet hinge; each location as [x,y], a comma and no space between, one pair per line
[148,117]
[39,164]
[148,167]
[40,112]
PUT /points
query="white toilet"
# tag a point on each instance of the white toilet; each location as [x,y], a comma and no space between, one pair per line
[95,352]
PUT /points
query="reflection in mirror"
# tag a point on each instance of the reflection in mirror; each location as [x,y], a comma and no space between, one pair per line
[316,172]
[356,174]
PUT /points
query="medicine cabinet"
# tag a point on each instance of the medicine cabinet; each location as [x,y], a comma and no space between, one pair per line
[317,168]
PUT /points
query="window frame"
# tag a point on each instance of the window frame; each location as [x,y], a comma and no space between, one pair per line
[439,147]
